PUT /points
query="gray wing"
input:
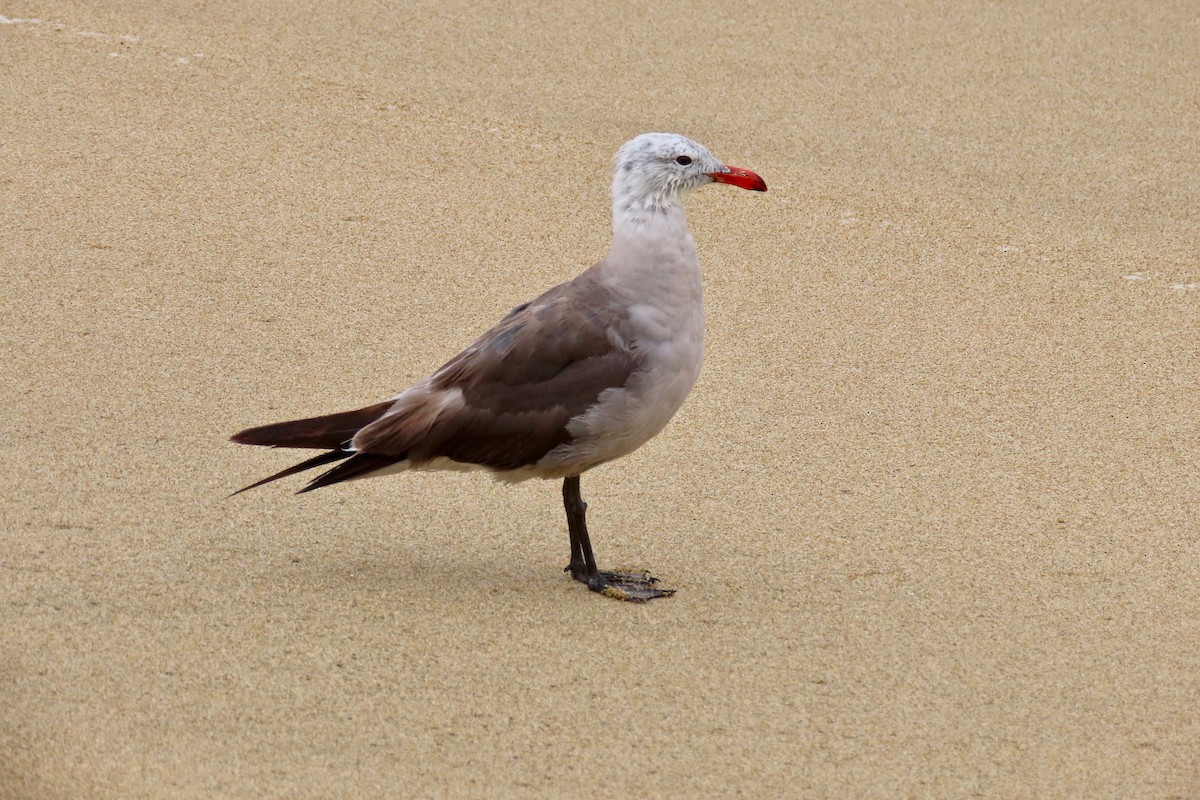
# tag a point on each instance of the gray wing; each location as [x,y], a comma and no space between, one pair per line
[545,363]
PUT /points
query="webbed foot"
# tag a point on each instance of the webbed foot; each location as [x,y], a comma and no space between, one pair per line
[636,587]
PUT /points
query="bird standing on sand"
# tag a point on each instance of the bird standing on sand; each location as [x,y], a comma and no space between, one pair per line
[586,373]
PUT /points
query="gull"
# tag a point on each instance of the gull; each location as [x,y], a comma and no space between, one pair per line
[584,374]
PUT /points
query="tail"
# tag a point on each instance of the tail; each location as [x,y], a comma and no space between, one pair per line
[332,432]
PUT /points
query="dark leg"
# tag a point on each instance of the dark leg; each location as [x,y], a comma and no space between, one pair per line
[635,586]
[582,560]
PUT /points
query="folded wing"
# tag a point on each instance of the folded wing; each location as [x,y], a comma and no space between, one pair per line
[503,403]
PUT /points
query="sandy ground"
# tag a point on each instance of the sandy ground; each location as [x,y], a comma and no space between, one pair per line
[933,509]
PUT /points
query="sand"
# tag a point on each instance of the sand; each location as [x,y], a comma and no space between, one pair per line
[932,511]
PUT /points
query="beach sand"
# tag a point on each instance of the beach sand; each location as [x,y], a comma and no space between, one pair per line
[932,510]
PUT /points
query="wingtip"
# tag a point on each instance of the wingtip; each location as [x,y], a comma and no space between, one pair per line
[249,436]
[307,464]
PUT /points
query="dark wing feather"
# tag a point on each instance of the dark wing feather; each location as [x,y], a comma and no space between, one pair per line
[307,464]
[521,382]
[544,364]
[329,431]
[358,466]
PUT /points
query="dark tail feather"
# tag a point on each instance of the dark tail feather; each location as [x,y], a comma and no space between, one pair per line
[315,461]
[359,466]
[328,432]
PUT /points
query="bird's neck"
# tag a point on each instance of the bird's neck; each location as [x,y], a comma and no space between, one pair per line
[651,228]
[654,254]
[632,210]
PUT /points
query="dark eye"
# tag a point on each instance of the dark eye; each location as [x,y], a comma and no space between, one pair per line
[683,160]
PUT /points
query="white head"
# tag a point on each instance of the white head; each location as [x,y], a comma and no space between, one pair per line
[655,171]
